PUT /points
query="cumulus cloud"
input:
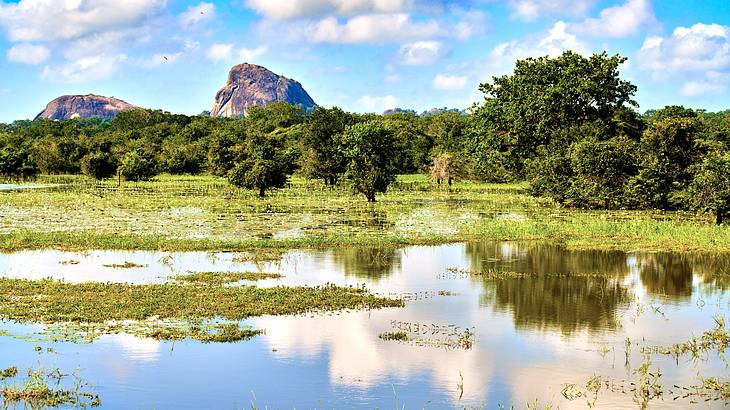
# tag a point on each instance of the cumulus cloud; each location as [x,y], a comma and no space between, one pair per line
[698,55]
[372,28]
[53,20]
[293,9]
[530,10]
[421,52]
[553,43]
[195,15]
[371,103]
[28,53]
[85,69]
[227,52]
[449,82]
[620,21]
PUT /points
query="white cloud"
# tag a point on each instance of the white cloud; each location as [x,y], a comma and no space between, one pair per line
[421,52]
[449,82]
[472,22]
[292,9]
[28,53]
[85,69]
[696,56]
[53,20]
[195,15]
[619,21]
[702,47]
[227,52]
[372,28]
[553,43]
[371,103]
[530,10]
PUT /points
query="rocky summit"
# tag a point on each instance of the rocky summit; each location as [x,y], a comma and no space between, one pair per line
[84,106]
[252,85]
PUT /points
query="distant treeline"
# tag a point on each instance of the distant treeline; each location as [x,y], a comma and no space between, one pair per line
[569,125]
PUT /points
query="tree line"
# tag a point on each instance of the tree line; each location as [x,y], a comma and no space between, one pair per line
[568,125]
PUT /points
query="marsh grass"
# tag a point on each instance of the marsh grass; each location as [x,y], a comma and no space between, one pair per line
[394,336]
[205,213]
[49,301]
[43,389]
[223,278]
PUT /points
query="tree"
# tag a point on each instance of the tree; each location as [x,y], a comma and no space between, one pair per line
[136,166]
[546,95]
[601,171]
[98,165]
[709,190]
[668,150]
[369,150]
[445,167]
[16,162]
[262,162]
[321,157]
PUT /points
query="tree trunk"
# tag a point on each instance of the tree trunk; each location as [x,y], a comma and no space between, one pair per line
[720,216]
[370,197]
[261,192]
[438,181]
[450,180]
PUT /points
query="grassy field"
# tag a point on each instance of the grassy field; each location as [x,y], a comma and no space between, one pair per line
[205,213]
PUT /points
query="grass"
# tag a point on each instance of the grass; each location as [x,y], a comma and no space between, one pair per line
[42,389]
[396,336]
[192,213]
[222,278]
[48,301]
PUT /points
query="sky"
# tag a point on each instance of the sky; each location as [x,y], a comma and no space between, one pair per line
[360,55]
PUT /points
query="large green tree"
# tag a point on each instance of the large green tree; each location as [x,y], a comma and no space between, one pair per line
[546,95]
[369,149]
[321,156]
[262,162]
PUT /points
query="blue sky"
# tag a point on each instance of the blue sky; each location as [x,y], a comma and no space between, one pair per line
[361,55]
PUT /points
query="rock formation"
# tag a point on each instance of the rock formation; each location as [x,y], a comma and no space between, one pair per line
[252,85]
[84,106]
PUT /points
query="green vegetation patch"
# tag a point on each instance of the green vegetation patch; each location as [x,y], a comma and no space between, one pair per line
[222,278]
[49,301]
[42,389]
[396,336]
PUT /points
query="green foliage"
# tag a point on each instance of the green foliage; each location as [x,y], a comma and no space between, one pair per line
[369,150]
[321,157]
[16,161]
[668,150]
[98,165]
[709,190]
[136,166]
[601,171]
[546,95]
[262,162]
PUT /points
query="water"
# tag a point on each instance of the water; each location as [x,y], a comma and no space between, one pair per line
[532,335]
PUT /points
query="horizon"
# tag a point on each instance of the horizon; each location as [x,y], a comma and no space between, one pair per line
[367,56]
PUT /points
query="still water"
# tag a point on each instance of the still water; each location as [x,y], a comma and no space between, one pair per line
[532,335]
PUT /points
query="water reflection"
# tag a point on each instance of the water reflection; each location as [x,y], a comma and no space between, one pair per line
[371,263]
[667,275]
[532,334]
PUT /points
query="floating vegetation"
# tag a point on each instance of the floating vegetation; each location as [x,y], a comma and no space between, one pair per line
[125,265]
[224,333]
[446,293]
[260,255]
[69,262]
[8,373]
[222,278]
[714,340]
[97,308]
[494,274]
[396,336]
[43,389]
[431,335]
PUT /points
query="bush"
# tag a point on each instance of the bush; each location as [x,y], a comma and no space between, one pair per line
[136,167]
[98,165]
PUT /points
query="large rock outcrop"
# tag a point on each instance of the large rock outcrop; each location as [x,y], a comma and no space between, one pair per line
[84,106]
[252,85]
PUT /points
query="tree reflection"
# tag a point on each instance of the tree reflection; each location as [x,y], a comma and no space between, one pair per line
[666,274]
[550,301]
[368,263]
